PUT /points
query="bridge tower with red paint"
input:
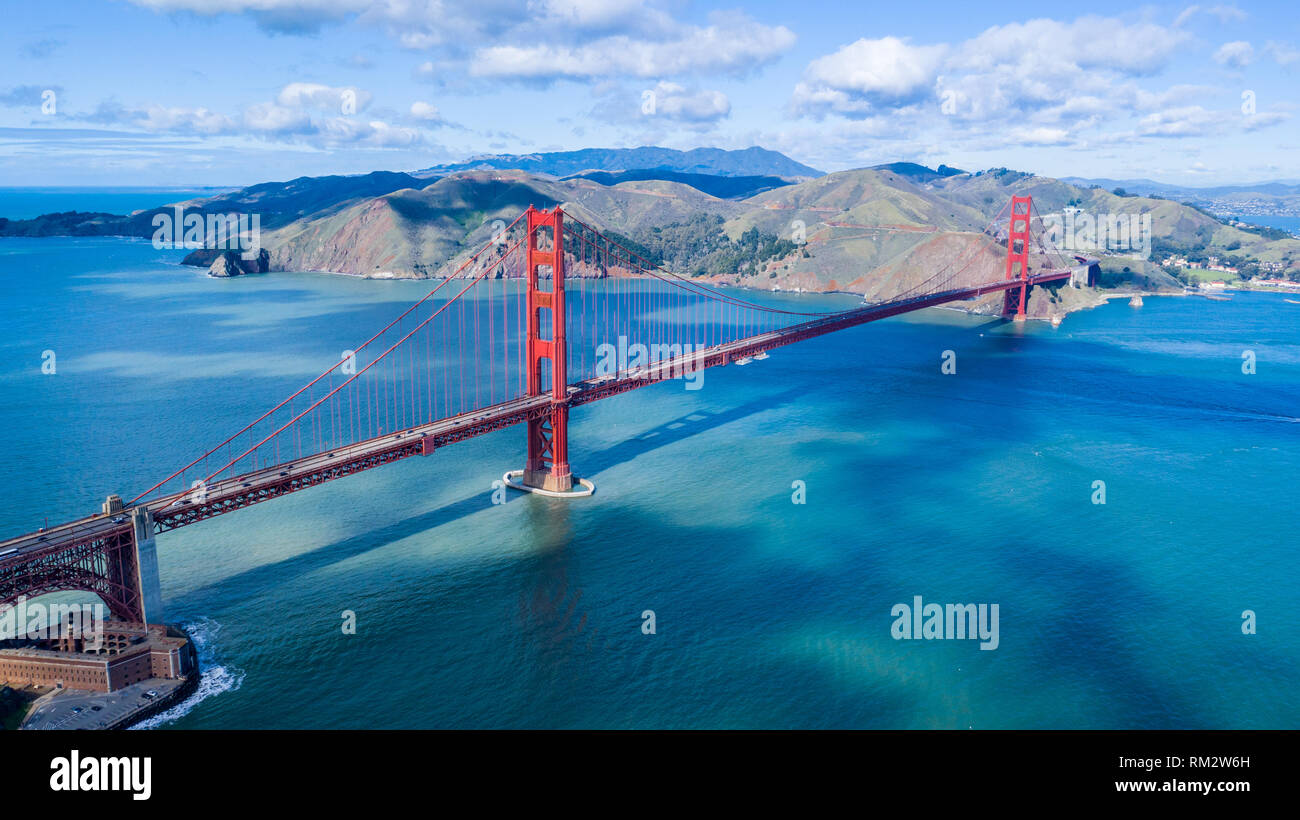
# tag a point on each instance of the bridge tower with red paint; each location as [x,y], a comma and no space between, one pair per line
[547,467]
[1018,257]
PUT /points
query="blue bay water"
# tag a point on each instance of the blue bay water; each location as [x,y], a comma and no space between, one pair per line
[968,488]
[1286,223]
[26,203]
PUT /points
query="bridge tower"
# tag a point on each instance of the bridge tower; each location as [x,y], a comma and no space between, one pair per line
[117,561]
[547,467]
[1013,304]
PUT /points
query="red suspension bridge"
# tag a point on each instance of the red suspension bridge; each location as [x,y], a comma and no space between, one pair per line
[518,334]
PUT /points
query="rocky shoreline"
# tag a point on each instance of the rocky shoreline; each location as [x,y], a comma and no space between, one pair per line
[222,263]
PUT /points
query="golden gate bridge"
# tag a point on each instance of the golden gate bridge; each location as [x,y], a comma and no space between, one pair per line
[506,339]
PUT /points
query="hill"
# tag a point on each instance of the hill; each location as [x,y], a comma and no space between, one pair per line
[420,232]
[871,231]
[1244,203]
[723,187]
[920,173]
[868,231]
[1165,189]
[753,161]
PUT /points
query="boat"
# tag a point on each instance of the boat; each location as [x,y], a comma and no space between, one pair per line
[744,361]
[1291,301]
[758,357]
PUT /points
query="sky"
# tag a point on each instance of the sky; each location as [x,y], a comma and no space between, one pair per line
[235,92]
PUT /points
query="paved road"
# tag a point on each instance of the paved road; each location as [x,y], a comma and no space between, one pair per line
[76,709]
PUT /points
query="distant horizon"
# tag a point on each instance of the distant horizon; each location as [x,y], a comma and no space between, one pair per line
[241,185]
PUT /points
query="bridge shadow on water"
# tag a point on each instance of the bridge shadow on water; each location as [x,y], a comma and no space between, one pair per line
[1086,630]
[1094,637]
[263,578]
[674,431]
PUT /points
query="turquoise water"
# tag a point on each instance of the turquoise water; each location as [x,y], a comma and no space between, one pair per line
[974,487]
[26,203]
[1286,223]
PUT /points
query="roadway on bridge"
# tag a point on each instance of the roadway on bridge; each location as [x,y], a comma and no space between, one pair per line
[223,495]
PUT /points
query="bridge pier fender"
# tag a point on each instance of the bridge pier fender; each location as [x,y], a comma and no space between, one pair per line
[578,487]
[146,566]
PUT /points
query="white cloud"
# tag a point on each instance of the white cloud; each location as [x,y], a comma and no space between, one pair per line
[183,120]
[375,133]
[868,73]
[1057,48]
[1185,15]
[603,14]
[1037,84]
[1284,54]
[731,43]
[1237,54]
[1226,14]
[1265,119]
[346,99]
[270,118]
[677,103]
[1045,69]
[424,111]
[1041,136]
[1192,120]
[290,118]
[1040,82]
[1196,121]
[275,15]
[531,39]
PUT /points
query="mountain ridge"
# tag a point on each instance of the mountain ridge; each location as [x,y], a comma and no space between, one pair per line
[862,231]
[752,161]
[1151,186]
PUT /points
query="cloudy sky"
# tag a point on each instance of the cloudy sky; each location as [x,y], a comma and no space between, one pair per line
[225,92]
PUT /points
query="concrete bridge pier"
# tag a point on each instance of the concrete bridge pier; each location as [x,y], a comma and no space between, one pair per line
[130,565]
[146,564]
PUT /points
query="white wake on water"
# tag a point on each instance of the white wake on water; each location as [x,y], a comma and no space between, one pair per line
[214,679]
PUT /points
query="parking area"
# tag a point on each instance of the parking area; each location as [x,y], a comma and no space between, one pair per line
[75,709]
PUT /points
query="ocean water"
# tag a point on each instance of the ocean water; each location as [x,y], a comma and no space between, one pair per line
[974,487]
[1286,223]
[26,203]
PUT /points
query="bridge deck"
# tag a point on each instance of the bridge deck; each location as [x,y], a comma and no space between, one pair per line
[177,510]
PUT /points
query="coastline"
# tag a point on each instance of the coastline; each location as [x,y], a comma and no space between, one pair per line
[135,702]
[1100,296]
[167,701]
[1097,296]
